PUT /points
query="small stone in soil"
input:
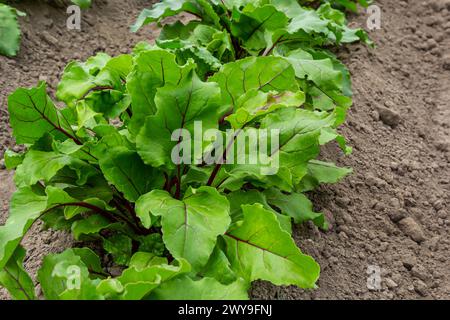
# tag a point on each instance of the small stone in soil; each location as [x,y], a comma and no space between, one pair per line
[389,117]
[412,229]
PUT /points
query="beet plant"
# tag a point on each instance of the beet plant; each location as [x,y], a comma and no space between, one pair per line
[147,158]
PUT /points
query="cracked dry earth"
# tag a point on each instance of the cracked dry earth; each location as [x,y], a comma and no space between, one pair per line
[392,213]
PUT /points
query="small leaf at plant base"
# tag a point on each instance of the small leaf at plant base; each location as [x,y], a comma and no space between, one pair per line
[12,159]
[15,279]
[141,278]
[185,288]
[322,172]
[297,206]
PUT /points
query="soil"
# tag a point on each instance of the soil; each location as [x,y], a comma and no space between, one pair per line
[393,213]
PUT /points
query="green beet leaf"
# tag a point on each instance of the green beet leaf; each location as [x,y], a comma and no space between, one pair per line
[185,288]
[190,226]
[9,31]
[14,277]
[260,249]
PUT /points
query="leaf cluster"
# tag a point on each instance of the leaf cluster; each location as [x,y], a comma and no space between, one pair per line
[99,161]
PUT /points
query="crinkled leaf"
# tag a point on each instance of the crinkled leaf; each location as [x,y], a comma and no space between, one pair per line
[163,9]
[142,277]
[299,137]
[33,114]
[260,249]
[65,276]
[251,26]
[120,247]
[236,78]
[152,69]
[89,226]
[179,107]
[250,197]
[126,171]
[191,226]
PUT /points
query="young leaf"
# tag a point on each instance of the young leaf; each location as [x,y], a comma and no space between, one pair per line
[219,268]
[152,69]
[89,226]
[297,206]
[250,197]
[236,78]
[322,172]
[79,77]
[260,249]
[252,26]
[12,159]
[141,278]
[179,107]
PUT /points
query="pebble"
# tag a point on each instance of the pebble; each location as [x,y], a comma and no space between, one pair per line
[343,202]
[421,288]
[412,229]
[409,261]
[397,215]
[421,273]
[2,164]
[47,37]
[389,117]
[446,62]
[391,284]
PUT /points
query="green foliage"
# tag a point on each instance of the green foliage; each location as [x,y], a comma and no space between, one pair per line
[9,30]
[83,4]
[102,165]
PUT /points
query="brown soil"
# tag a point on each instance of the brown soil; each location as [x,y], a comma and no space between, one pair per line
[393,212]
